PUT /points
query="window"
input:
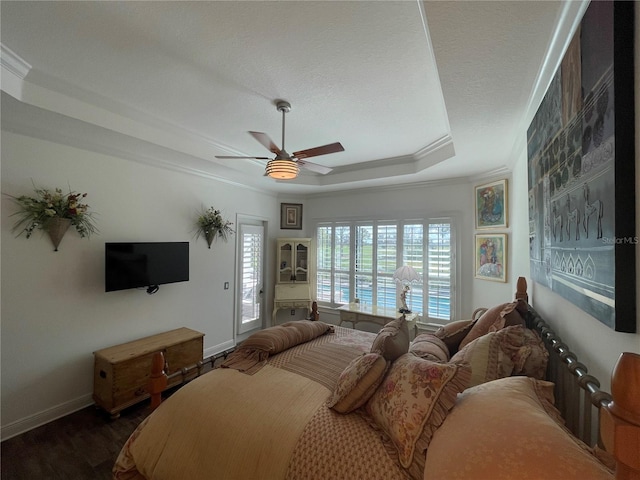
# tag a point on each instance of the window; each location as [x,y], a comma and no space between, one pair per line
[358,259]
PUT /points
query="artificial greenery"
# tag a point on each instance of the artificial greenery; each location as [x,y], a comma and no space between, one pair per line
[211,225]
[40,210]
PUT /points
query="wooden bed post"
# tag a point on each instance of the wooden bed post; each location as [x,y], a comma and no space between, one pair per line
[620,420]
[158,380]
[521,289]
[314,312]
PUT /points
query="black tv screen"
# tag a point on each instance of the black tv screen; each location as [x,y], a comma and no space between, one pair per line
[145,264]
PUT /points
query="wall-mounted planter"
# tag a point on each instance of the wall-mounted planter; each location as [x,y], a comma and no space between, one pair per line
[211,225]
[56,229]
[54,212]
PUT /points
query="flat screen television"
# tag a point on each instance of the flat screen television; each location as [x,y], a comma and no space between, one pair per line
[145,264]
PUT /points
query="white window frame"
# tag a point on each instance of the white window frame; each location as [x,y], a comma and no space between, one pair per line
[331,272]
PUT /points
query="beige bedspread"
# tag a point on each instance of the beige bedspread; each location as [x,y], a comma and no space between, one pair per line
[180,443]
[270,425]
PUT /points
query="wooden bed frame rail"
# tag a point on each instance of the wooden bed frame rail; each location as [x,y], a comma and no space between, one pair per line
[159,379]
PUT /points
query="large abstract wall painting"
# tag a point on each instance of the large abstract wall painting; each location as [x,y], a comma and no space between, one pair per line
[581,165]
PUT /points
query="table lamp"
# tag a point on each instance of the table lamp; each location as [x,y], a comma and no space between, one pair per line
[404,276]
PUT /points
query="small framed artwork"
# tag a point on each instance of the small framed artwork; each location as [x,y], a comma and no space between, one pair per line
[291,216]
[491,205]
[491,257]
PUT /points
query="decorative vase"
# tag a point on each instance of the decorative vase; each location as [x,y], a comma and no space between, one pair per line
[56,230]
[210,235]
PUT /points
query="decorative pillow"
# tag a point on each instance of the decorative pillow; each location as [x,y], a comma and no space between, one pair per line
[453,333]
[252,354]
[392,339]
[357,382]
[512,314]
[412,401]
[491,356]
[516,412]
[532,358]
[494,319]
[429,347]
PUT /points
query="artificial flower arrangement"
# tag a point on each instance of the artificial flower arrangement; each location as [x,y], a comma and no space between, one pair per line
[46,208]
[211,225]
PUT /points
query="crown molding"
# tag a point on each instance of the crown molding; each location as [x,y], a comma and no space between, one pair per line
[30,121]
[569,19]
[13,70]
[408,186]
[12,62]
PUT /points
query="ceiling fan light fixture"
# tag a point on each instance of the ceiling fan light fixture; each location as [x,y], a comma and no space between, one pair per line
[282,169]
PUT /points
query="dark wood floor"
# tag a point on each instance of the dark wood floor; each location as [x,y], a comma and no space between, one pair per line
[80,446]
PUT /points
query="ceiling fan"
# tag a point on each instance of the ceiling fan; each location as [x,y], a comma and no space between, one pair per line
[285,166]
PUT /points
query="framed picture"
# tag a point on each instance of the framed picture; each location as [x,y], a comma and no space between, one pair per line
[291,216]
[491,205]
[491,257]
[581,172]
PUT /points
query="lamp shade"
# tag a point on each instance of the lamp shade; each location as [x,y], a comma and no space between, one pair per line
[282,169]
[406,275]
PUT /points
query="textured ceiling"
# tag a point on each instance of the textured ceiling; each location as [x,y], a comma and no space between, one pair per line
[414,91]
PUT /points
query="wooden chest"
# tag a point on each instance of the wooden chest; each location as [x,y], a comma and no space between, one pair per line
[121,373]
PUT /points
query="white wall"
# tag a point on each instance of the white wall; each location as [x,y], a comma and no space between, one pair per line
[55,312]
[439,199]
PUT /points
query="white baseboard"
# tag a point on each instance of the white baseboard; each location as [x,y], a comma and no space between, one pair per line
[49,415]
[221,347]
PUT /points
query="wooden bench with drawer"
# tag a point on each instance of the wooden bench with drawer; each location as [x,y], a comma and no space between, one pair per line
[121,373]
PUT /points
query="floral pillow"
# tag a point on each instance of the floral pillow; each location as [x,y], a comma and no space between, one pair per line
[412,401]
[357,382]
[392,339]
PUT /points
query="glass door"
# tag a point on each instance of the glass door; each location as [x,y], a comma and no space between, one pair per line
[250,275]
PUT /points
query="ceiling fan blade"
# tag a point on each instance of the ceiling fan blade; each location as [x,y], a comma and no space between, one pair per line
[323,150]
[314,167]
[264,139]
[257,158]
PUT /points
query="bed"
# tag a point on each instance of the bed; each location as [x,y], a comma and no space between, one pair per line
[309,400]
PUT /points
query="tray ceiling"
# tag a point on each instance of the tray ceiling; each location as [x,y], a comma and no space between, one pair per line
[414,91]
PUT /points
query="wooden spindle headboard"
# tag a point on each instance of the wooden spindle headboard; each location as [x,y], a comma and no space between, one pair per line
[580,400]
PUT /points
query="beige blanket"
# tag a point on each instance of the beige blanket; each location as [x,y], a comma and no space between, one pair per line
[180,444]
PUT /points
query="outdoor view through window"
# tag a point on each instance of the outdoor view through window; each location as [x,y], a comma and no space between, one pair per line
[358,259]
